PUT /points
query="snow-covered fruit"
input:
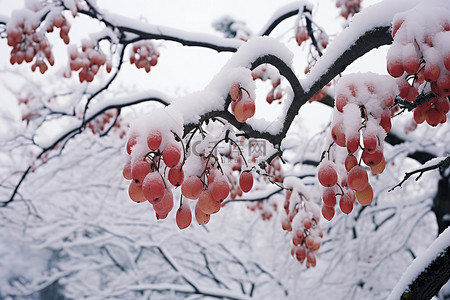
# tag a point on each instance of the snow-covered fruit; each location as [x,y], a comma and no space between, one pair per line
[266,72]
[421,59]
[151,153]
[242,105]
[348,7]
[301,219]
[362,109]
[88,61]
[29,41]
[144,55]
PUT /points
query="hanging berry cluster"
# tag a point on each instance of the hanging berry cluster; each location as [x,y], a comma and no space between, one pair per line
[420,58]
[348,7]
[144,55]
[361,110]
[88,61]
[302,220]
[29,41]
[307,29]
[266,72]
[157,164]
[104,122]
[242,105]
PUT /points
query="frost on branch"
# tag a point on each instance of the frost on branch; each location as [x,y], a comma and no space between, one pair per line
[420,58]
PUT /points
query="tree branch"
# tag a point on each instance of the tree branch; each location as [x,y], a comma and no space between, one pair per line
[427,274]
[445,163]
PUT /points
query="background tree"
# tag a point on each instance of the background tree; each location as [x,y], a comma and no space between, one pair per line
[65,199]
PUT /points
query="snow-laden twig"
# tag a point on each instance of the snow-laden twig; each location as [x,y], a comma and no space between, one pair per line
[433,164]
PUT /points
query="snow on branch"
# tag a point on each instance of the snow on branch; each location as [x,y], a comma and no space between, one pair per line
[431,270]
[433,164]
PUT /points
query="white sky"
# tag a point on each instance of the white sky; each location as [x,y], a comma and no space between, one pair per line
[186,69]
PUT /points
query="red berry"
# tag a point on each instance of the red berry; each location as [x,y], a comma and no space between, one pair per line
[395,67]
[357,178]
[327,175]
[365,196]
[350,162]
[176,176]
[246,181]
[219,189]
[191,187]
[139,169]
[338,135]
[135,192]
[171,154]
[327,212]
[374,158]
[154,140]
[235,91]
[341,101]
[207,204]
[201,217]
[153,187]
[329,197]
[183,216]
[130,143]
[346,204]
[352,143]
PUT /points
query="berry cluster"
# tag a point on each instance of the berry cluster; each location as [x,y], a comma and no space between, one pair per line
[274,171]
[143,169]
[242,105]
[348,7]
[144,55]
[265,207]
[421,61]
[103,122]
[434,112]
[157,164]
[89,60]
[60,22]
[301,34]
[361,110]
[302,220]
[29,43]
[265,72]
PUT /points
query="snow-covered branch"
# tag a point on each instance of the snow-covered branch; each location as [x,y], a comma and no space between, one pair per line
[428,272]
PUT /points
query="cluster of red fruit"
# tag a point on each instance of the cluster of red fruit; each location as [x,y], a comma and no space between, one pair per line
[434,111]
[265,207]
[421,63]
[360,110]
[60,22]
[264,72]
[143,169]
[208,185]
[29,43]
[301,34]
[302,220]
[274,171]
[102,122]
[242,105]
[144,55]
[348,7]
[89,60]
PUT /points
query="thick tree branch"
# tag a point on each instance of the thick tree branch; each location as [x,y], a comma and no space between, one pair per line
[427,274]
